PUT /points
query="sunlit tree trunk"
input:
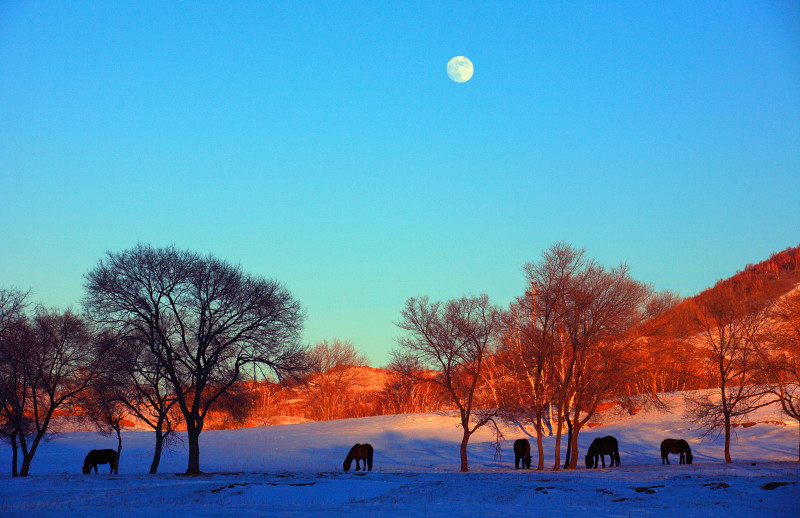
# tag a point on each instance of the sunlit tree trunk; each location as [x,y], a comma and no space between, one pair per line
[539,444]
[559,417]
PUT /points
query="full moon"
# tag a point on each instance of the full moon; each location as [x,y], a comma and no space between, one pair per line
[459,69]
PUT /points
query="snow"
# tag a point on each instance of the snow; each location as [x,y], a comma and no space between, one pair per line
[296,470]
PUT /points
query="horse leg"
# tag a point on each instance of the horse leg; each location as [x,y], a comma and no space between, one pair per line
[603,459]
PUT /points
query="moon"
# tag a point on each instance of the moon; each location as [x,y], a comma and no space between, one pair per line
[459,69]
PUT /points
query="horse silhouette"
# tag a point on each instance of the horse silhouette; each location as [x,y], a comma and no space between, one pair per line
[359,452]
[95,457]
[601,447]
[676,446]
[522,452]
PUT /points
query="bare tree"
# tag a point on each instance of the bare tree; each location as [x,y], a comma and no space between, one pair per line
[13,330]
[208,320]
[781,355]
[585,329]
[331,376]
[142,385]
[409,394]
[522,378]
[47,365]
[729,327]
[452,339]
[104,405]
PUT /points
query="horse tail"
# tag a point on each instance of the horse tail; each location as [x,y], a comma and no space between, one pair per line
[370,451]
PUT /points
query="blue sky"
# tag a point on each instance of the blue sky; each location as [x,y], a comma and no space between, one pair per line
[322,144]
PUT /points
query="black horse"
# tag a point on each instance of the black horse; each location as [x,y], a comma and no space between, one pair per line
[95,457]
[676,446]
[522,452]
[601,447]
[359,452]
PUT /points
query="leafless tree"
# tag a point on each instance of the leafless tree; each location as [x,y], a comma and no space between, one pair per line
[585,329]
[142,385]
[521,381]
[13,331]
[728,327]
[208,321]
[103,403]
[409,394]
[331,376]
[780,355]
[48,364]
[452,340]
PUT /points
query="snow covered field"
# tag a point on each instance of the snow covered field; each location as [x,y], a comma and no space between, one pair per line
[295,470]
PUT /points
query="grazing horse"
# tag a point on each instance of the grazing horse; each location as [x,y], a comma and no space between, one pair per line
[95,457]
[601,447]
[676,446]
[359,452]
[522,452]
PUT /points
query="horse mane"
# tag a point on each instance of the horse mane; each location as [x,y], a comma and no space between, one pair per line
[348,461]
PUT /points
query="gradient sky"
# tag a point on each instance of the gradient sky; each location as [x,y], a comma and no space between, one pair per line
[322,144]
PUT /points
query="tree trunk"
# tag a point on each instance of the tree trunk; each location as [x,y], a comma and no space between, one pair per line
[539,445]
[194,451]
[14,455]
[26,464]
[557,464]
[157,452]
[464,441]
[119,451]
[728,440]
[27,456]
[575,428]
[798,441]
[568,456]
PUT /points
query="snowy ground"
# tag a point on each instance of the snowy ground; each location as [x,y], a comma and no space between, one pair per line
[295,470]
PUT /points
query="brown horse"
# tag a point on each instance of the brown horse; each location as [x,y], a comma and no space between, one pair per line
[522,452]
[676,446]
[359,452]
[95,457]
[601,447]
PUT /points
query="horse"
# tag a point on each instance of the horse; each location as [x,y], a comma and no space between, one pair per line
[676,446]
[95,457]
[601,447]
[359,452]
[522,452]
